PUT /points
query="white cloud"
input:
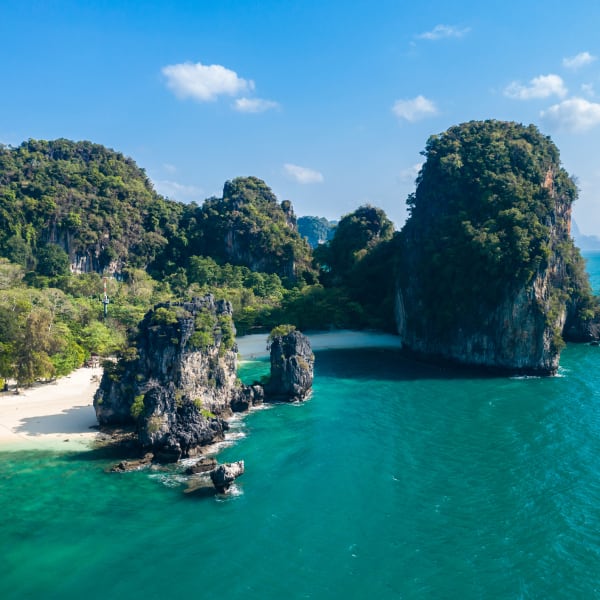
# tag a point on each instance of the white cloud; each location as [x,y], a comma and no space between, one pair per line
[575,114]
[415,109]
[539,87]
[444,31]
[578,61]
[302,174]
[169,168]
[173,189]
[204,82]
[254,105]
[588,89]
[410,173]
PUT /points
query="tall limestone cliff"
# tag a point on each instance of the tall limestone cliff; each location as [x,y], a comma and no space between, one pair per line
[178,381]
[487,262]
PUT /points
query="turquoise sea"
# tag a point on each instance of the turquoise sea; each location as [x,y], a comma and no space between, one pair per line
[395,480]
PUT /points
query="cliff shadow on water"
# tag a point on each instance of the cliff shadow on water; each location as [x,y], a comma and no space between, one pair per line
[391,365]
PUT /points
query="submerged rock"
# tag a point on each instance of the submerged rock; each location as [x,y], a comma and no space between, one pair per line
[133,465]
[204,465]
[292,368]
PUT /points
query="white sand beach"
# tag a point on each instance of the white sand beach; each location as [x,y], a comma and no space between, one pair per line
[255,345]
[54,415]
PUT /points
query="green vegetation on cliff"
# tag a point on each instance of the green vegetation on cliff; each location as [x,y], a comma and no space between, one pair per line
[93,203]
[247,227]
[488,271]
[487,198]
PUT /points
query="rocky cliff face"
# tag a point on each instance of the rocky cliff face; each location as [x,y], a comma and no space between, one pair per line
[486,252]
[292,368]
[249,227]
[515,336]
[179,380]
[177,383]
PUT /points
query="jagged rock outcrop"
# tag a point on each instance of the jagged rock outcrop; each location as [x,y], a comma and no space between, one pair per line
[178,381]
[486,255]
[207,477]
[292,368]
[224,475]
[247,396]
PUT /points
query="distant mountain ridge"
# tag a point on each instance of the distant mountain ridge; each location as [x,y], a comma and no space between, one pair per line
[584,242]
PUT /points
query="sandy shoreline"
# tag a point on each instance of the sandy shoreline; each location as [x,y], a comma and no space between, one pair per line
[51,416]
[58,416]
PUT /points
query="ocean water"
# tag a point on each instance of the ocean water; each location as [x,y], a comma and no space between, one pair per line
[395,480]
[593,267]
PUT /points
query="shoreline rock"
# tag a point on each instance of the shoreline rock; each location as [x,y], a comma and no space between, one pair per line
[292,368]
[177,386]
[177,382]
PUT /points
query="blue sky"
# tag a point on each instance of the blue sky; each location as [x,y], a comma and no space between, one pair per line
[329,102]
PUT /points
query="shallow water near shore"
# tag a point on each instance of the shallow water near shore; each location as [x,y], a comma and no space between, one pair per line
[396,479]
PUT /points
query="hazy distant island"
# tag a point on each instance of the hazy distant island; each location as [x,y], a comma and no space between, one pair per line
[484,272]
[582,241]
[316,230]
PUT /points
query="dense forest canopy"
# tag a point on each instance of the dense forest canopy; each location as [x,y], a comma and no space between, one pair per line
[94,203]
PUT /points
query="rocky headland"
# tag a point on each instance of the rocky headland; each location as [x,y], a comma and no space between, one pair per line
[489,275]
[176,384]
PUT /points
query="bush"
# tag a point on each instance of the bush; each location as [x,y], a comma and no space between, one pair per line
[137,408]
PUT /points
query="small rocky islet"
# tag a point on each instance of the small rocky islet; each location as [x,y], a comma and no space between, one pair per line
[176,385]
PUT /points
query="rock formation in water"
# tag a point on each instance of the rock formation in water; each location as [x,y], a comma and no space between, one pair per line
[178,381]
[487,262]
[292,368]
[224,475]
